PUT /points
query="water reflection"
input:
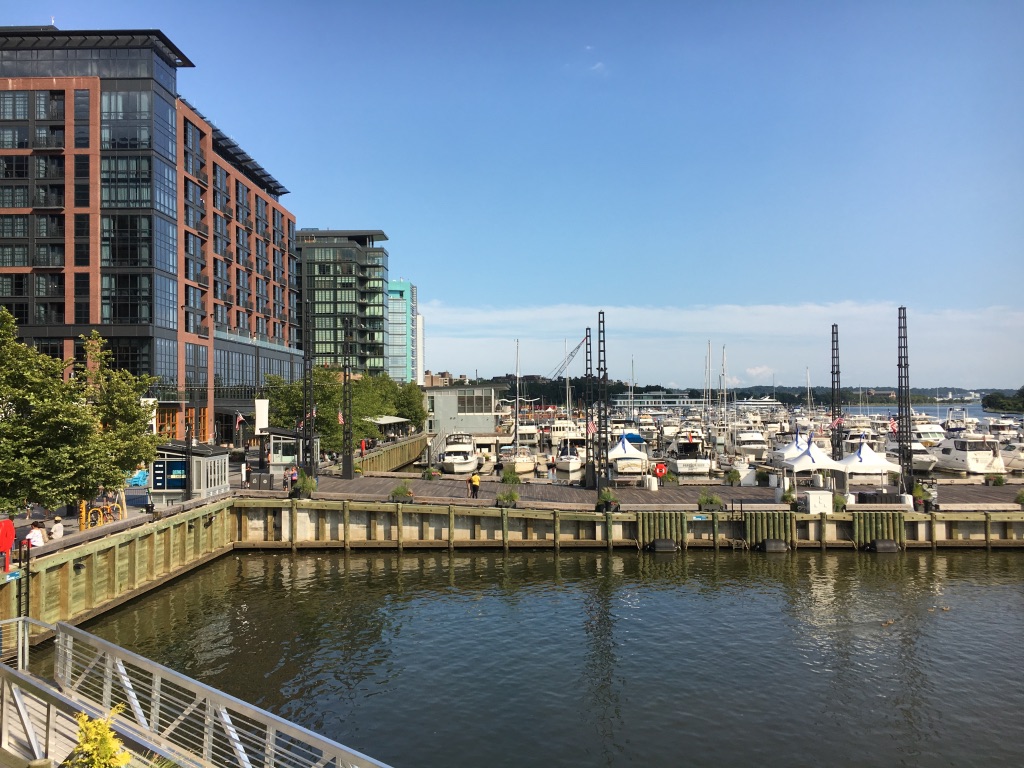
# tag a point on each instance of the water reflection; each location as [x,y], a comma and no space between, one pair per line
[596,659]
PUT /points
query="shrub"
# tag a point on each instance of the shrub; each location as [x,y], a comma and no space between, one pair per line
[788,497]
[995,479]
[401,490]
[838,502]
[761,475]
[607,494]
[708,499]
[1020,498]
[671,477]
[427,474]
[98,746]
[506,498]
[509,477]
[732,476]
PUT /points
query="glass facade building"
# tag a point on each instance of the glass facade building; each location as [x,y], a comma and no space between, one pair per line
[403,312]
[123,209]
[344,295]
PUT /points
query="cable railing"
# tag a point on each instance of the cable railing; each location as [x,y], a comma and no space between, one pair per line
[181,714]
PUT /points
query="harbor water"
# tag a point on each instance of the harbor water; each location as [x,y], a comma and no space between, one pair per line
[611,659]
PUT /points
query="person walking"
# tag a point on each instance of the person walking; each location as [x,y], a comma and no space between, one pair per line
[474,485]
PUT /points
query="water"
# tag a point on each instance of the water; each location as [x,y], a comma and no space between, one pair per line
[590,659]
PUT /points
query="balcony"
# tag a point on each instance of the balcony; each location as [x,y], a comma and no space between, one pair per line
[245,263]
[48,142]
[246,222]
[203,177]
[204,330]
[203,280]
[245,304]
[203,230]
[49,318]
[47,200]
[48,260]
[228,254]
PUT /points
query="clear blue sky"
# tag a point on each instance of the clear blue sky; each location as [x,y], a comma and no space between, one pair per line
[744,173]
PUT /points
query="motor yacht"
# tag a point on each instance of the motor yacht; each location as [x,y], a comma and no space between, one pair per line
[972,453]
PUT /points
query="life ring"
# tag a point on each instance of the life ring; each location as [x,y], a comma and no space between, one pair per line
[660,470]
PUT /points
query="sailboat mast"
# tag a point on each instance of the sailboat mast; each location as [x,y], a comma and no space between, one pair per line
[515,440]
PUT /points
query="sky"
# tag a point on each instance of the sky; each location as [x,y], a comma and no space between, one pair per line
[734,175]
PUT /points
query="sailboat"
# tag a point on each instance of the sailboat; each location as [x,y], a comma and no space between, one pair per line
[519,459]
[569,437]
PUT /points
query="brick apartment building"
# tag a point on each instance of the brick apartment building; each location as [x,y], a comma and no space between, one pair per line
[123,209]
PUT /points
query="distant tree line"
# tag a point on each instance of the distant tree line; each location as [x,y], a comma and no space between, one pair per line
[1001,401]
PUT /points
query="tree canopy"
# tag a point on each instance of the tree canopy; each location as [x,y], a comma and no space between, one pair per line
[997,401]
[372,396]
[61,438]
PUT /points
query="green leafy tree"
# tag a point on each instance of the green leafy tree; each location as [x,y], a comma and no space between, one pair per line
[125,440]
[286,404]
[409,405]
[61,438]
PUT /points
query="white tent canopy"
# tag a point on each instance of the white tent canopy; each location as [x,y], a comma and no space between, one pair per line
[625,450]
[865,461]
[812,458]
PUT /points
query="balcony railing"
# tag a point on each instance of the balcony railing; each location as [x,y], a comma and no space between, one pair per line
[245,263]
[247,223]
[202,229]
[47,200]
[204,330]
[203,177]
[48,142]
[203,280]
[48,260]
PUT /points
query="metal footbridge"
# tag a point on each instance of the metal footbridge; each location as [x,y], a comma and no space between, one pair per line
[161,716]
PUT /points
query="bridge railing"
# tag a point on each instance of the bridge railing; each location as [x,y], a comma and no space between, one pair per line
[183,715]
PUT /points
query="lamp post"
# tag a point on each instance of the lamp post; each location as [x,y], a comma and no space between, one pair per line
[308,400]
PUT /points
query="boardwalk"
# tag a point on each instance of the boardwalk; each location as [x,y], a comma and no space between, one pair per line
[446,487]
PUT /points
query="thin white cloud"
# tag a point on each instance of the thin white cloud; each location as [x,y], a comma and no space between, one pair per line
[598,68]
[975,348]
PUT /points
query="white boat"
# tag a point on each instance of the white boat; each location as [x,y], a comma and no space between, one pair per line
[459,454]
[748,444]
[627,459]
[1013,456]
[526,432]
[972,453]
[1002,428]
[571,454]
[927,433]
[688,455]
[921,459]
[519,459]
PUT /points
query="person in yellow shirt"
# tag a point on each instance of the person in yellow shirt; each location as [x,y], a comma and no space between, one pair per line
[474,485]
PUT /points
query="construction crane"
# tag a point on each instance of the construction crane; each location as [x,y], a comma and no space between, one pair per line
[568,359]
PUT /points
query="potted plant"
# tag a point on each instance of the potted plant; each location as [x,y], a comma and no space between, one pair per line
[788,497]
[1019,499]
[921,496]
[304,487]
[506,498]
[838,502]
[402,493]
[708,501]
[732,477]
[995,480]
[762,477]
[427,474]
[510,477]
[607,501]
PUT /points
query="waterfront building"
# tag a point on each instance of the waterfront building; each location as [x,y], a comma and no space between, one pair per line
[463,409]
[124,209]
[344,297]
[404,333]
[654,401]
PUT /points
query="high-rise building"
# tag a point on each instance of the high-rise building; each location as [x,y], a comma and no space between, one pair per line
[124,209]
[344,297]
[403,332]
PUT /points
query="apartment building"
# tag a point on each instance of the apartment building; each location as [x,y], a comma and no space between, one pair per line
[345,297]
[124,209]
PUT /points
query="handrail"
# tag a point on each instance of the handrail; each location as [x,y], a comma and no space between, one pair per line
[171,709]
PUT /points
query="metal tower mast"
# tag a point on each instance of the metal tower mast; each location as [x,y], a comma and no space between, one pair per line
[837,411]
[601,459]
[903,399]
[590,473]
[347,468]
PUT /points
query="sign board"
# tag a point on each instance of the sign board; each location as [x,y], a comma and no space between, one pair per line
[168,474]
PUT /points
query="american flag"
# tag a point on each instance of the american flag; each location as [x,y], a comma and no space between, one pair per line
[239,421]
[892,424]
[839,420]
[591,428]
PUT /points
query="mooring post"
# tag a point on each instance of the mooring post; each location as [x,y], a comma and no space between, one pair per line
[714,529]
